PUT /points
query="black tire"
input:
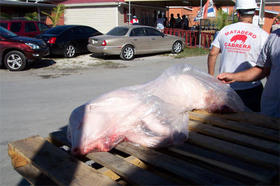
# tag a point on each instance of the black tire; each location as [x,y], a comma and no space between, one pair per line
[69,51]
[127,52]
[15,61]
[177,47]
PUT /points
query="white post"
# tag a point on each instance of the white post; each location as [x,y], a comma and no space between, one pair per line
[129,13]
[261,13]
[200,24]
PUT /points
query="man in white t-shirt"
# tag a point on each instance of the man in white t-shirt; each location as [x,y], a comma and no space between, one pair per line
[268,64]
[240,45]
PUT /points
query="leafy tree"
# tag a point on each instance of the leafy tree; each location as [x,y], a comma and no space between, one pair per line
[222,19]
[31,16]
[55,14]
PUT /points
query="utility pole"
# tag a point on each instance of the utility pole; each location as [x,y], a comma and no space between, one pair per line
[200,24]
[129,12]
[261,13]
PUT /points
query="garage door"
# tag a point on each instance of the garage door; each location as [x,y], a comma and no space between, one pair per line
[100,18]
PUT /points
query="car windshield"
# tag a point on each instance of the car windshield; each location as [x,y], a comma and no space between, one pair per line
[56,30]
[118,31]
[6,33]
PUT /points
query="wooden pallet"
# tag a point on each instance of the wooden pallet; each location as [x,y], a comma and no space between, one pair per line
[236,149]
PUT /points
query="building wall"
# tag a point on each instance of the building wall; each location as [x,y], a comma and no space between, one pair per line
[101,18]
[269,18]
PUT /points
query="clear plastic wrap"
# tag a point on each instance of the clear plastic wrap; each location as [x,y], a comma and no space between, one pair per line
[153,114]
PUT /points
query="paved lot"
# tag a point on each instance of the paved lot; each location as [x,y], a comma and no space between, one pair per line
[40,99]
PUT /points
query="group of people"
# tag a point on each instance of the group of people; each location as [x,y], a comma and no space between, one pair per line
[249,54]
[179,22]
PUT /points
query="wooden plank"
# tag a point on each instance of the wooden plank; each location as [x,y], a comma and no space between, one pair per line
[225,162]
[62,168]
[34,176]
[247,117]
[234,150]
[176,166]
[252,142]
[59,137]
[237,126]
[128,171]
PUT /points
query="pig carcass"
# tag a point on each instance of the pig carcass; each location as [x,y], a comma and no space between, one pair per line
[152,114]
[190,88]
[125,115]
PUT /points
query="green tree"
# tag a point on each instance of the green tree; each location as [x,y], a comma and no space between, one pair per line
[55,14]
[222,19]
[31,16]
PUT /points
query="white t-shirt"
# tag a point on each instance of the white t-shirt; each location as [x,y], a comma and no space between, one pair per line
[160,23]
[240,45]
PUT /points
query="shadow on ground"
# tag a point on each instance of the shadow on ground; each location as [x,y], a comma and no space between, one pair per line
[41,64]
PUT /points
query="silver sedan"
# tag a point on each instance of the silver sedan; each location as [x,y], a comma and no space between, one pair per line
[128,41]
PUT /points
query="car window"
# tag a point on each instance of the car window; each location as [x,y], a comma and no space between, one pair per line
[15,26]
[138,32]
[77,30]
[118,31]
[30,27]
[88,30]
[5,25]
[57,30]
[42,26]
[153,32]
[6,33]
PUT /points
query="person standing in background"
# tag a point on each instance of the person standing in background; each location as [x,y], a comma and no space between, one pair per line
[134,21]
[178,21]
[172,21]
[240,45]
[160,23]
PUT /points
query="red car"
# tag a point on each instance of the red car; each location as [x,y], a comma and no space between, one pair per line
[24,27]
[17,51]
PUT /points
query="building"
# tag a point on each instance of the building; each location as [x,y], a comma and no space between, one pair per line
[271,10]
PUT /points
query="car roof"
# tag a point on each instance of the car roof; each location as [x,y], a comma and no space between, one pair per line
[18,21]
[135,26]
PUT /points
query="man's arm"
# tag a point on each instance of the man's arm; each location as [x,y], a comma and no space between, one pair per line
[252,74]
[212,57]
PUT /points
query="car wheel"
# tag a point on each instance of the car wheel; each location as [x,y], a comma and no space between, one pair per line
[177,47]
[127,52]
[15,61]
[69,51]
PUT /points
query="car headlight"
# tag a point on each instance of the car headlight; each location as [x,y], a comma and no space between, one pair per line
[33,46]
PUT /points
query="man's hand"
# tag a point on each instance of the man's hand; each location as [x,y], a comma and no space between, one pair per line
[226,77]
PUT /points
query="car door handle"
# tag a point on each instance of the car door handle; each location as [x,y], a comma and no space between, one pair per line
[135,39]
[153,39]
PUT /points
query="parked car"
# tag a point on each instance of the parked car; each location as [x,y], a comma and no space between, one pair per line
[17,51]
[24,27]
[68,40]
[128,41]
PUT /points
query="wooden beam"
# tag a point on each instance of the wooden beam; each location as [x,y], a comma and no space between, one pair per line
[235,137]
[234,150]
[62,168]
[175,166]
[245,128]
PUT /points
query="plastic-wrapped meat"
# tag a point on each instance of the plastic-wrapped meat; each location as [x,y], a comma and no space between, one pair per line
[190,89]
[125,115]
[152,114]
